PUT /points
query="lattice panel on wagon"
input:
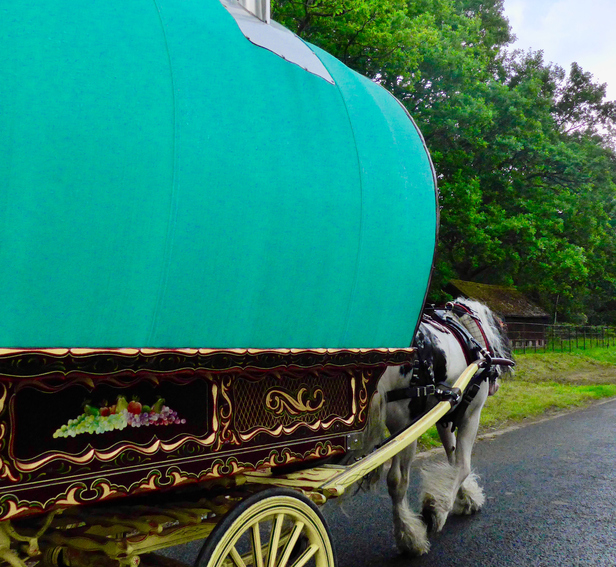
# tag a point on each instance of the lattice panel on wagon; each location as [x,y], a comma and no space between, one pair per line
[283,401]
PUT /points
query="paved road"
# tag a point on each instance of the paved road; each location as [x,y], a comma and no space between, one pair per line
[551,501]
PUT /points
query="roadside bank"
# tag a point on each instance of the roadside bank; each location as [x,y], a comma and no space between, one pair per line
[545,384]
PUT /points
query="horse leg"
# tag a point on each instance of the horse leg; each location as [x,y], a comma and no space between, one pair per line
[448,439]
[437,494]
[450,486]
[409,530]
[470,497]
[437,484]
[435,514]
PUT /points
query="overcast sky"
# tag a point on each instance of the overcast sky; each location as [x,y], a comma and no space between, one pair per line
[569,30]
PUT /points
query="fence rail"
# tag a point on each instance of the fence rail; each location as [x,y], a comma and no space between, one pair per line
[535,337]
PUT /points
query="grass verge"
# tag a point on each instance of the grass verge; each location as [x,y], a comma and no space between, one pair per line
[545,383]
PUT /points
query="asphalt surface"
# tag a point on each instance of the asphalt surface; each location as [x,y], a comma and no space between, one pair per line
[551,501]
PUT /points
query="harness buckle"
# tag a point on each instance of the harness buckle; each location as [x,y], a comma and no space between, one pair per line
[445,393]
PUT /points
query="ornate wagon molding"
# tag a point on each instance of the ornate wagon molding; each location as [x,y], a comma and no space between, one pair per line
[212,413]
[96,362]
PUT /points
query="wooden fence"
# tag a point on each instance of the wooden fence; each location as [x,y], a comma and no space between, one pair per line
[529,337]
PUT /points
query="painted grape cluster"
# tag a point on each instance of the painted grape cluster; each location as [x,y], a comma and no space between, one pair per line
[122,414]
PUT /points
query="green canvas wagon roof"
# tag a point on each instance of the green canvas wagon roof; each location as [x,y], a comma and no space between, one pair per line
[166,183]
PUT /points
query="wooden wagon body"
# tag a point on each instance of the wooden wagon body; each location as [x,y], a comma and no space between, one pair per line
[234,411]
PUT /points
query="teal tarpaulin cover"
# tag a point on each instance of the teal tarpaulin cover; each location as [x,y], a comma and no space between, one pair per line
[166,183]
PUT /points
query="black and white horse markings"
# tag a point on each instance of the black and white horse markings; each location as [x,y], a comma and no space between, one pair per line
[447,487]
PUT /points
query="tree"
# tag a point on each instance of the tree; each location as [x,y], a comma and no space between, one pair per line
[579,105]
[367,35]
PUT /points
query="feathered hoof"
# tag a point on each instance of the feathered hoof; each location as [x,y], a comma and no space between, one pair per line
[470,498]
[414,546]
[432,515]
[465,506]
[410,531]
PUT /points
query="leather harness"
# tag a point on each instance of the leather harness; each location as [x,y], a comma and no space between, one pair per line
[422,380]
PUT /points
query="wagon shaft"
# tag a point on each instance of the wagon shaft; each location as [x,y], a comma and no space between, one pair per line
[334,480]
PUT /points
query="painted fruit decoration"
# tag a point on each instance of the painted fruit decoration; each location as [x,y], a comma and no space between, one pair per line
[122,414]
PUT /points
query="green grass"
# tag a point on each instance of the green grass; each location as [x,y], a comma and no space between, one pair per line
[545,383]
[596,365]
[518,400]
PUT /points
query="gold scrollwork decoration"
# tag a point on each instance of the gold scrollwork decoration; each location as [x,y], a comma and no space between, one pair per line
[279,401]
[102,489]
[224,409]
[5,469]
[363,395]
[3,397]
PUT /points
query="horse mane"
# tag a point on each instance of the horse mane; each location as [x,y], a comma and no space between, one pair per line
[493,326]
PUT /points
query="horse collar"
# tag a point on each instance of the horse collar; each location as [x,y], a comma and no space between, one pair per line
[465,326]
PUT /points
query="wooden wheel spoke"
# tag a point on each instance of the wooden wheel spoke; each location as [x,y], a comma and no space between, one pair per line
[288,549]
[305,557]
[237,558]
[257,551]
[275,538]
[273,528]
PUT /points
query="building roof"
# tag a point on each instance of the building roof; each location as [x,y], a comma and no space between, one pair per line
[507,301]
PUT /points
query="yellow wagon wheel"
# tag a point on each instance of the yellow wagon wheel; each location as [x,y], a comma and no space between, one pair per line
[273,528]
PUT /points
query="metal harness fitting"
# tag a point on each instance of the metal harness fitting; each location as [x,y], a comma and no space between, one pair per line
[445,393]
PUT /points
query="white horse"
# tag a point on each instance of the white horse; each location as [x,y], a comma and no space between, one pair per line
[445,487]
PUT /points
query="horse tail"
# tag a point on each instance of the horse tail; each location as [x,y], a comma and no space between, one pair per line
[374,433]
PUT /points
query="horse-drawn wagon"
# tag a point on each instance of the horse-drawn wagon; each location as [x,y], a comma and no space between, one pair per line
[215,238]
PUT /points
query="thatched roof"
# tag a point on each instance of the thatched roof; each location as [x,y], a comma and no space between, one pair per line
[506,301]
